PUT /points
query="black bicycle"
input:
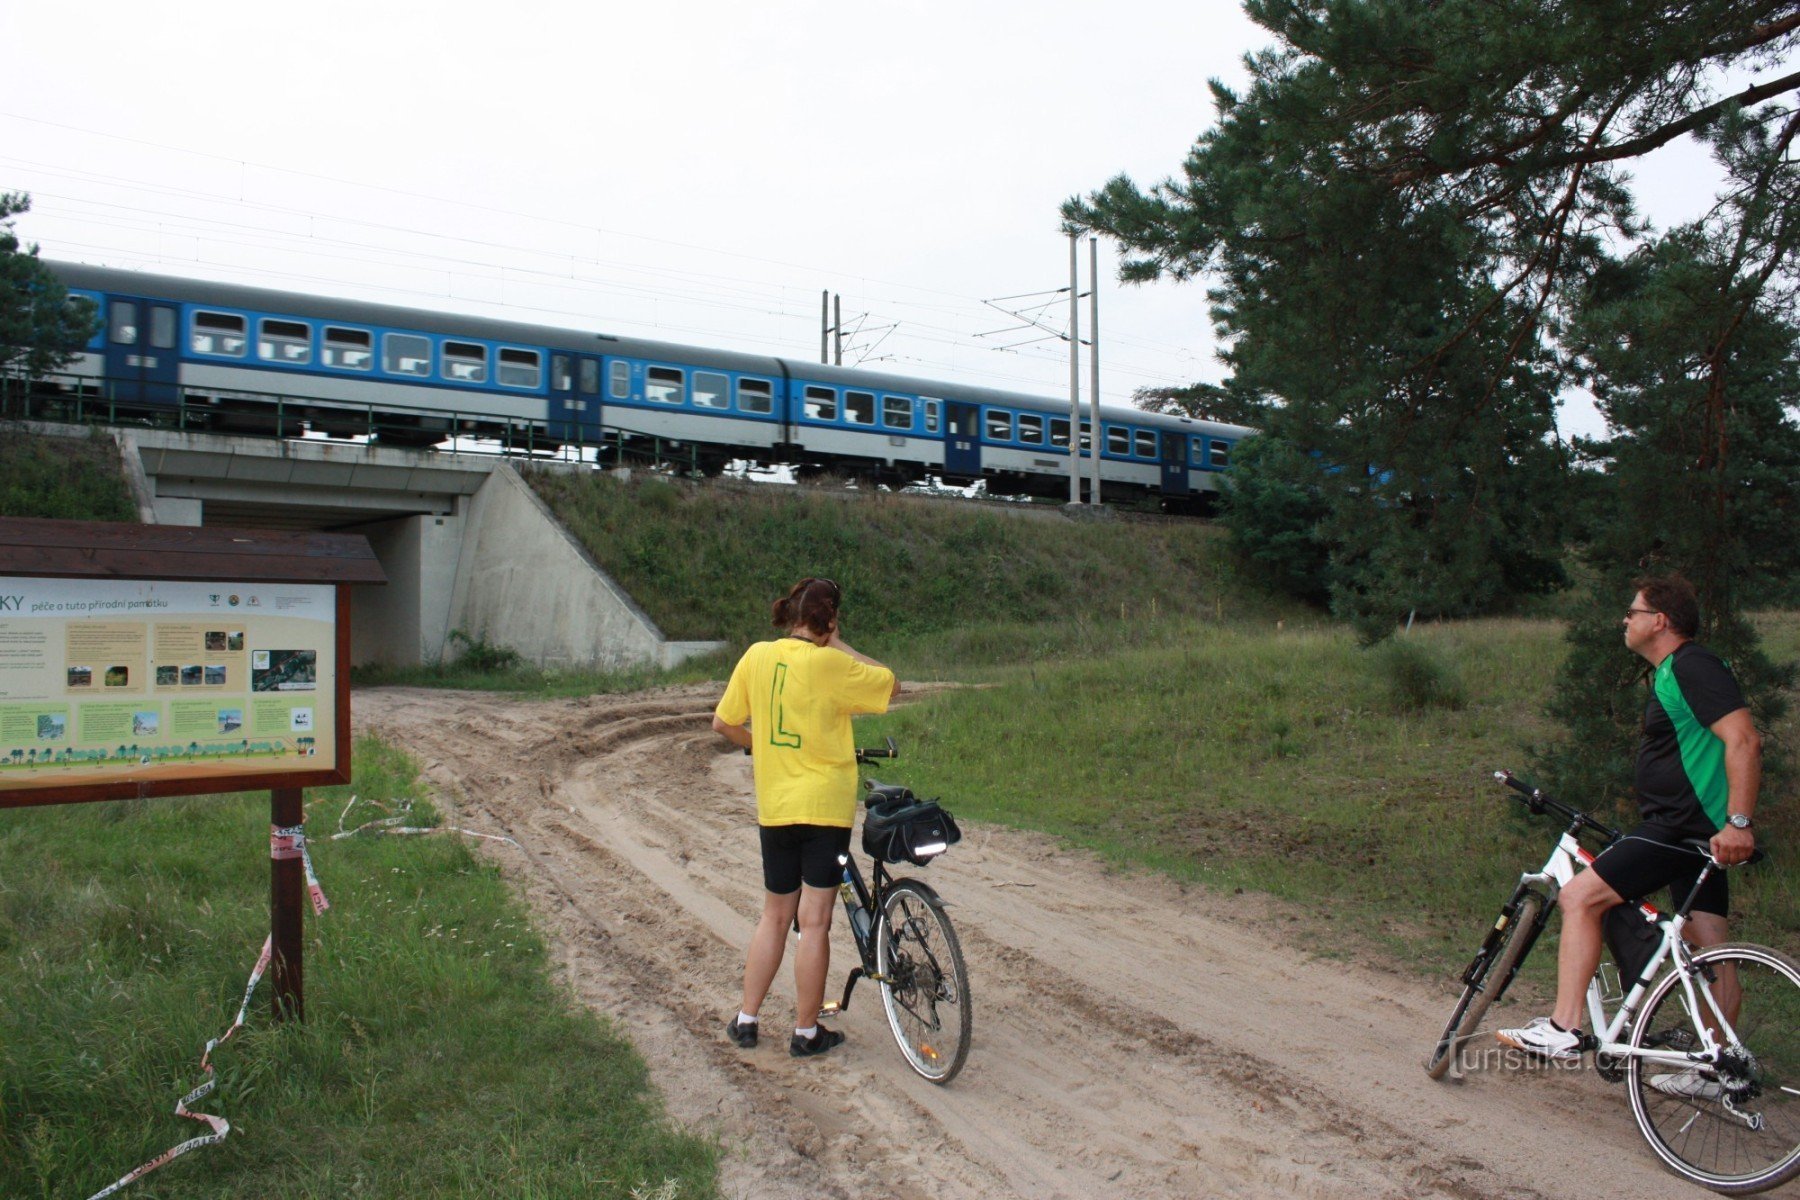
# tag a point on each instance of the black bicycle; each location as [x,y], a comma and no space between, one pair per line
[902,932]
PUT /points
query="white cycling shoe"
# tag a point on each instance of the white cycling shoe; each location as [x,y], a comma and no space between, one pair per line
[1543,1039]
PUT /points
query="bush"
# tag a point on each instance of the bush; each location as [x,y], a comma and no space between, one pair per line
[1416,678]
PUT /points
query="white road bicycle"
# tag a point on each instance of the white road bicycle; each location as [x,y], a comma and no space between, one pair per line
[1709,1049]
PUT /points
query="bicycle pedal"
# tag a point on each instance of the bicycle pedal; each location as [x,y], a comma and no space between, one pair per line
[830,1008]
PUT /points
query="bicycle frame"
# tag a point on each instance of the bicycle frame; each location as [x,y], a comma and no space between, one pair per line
[858,896]
[1555,874]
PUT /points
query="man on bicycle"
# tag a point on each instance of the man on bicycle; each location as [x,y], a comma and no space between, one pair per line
[1699,767]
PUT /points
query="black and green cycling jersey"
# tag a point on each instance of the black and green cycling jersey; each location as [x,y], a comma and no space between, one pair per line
[1681,763]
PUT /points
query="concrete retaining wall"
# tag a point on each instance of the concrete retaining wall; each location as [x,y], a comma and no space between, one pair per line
[523,582]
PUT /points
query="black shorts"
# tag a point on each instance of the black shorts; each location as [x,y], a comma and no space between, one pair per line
[1651,857]
[793,854]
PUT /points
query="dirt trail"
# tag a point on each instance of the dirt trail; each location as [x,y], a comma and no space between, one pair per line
[1132,1038]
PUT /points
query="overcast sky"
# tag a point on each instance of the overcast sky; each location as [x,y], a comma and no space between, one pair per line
[697,172]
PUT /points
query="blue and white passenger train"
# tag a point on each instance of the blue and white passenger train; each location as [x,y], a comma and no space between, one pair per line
[258,360]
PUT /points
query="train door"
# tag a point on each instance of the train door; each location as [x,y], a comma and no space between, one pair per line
[142,365]
[575,398]
[962,441]
[1175,464]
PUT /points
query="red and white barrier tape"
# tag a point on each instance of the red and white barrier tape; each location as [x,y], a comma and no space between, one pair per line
[290,842]
[220,1126]
[395,824]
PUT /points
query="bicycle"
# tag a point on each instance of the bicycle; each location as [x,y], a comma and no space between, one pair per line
[1717,1099]
[908,946]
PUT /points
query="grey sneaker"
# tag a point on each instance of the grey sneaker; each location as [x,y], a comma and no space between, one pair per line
[1543,1039]
[1691,1084]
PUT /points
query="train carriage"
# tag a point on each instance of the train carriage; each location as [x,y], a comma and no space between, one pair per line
[260,360]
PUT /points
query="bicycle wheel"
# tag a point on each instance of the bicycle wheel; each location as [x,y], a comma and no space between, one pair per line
[1735,1127]
[1485,979]
[924,984]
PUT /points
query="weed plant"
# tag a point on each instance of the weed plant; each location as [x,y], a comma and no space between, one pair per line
[437,1057]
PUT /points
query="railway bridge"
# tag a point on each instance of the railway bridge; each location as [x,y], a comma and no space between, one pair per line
[466,545]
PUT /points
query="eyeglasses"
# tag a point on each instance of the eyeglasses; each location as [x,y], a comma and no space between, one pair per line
[1648,612]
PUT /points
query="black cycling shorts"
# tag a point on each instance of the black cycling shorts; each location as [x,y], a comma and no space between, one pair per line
[793,854]
[1649,858]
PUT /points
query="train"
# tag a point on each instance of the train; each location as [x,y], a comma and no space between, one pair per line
[235,359]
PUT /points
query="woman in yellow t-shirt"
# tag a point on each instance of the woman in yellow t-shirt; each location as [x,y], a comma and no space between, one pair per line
[789,703]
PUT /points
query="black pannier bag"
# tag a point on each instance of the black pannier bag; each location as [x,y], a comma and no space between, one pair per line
[1632,939]
[900,828]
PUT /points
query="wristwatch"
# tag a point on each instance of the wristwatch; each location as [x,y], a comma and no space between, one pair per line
[1739,821]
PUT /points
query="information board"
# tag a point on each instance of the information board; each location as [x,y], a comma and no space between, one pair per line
[110,681]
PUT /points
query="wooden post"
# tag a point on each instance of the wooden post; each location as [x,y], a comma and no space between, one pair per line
[287,890]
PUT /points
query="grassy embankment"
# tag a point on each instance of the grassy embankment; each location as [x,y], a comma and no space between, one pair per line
[438,1058]
[70,479]
[1147,705]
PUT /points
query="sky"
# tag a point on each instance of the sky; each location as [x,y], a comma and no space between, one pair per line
[697,172]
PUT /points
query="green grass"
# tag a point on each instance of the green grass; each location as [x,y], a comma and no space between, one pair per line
[1296,764]
[70,479]
[708,561]
[532,682]
[438,1058]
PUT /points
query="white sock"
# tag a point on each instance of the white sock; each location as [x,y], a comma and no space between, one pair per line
[745,1018]
[808,1034]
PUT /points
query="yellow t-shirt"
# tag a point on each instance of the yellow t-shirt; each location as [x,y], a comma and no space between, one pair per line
[798,698]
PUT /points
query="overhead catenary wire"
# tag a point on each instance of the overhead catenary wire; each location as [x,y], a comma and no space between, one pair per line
[459,267]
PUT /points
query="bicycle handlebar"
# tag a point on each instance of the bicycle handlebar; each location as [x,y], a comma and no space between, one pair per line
[1537,802]
[869,754]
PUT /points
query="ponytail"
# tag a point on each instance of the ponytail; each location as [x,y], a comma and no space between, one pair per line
[811,604]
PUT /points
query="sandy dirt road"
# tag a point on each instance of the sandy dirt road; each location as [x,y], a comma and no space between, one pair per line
[1132,1038]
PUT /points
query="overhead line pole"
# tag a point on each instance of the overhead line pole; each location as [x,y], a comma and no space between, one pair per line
[1075,377]
[1094,363]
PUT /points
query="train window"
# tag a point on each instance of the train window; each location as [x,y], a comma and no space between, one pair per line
[931,416]
[1087,437]
[1146,443]
[1031,429]
[162,327]
[1059,432]
[1118,439]
[621,381]
[347,349]
[521,368]
[1197,451]
[219,333]
[284,341]
[590,377]
[711,390]
[406,354]
[465,362]
[859,408]
[562,378]
[1221,454]
[122,323]
[999,426]
[662,385]
[896,412]
[756,396]
[821,403]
